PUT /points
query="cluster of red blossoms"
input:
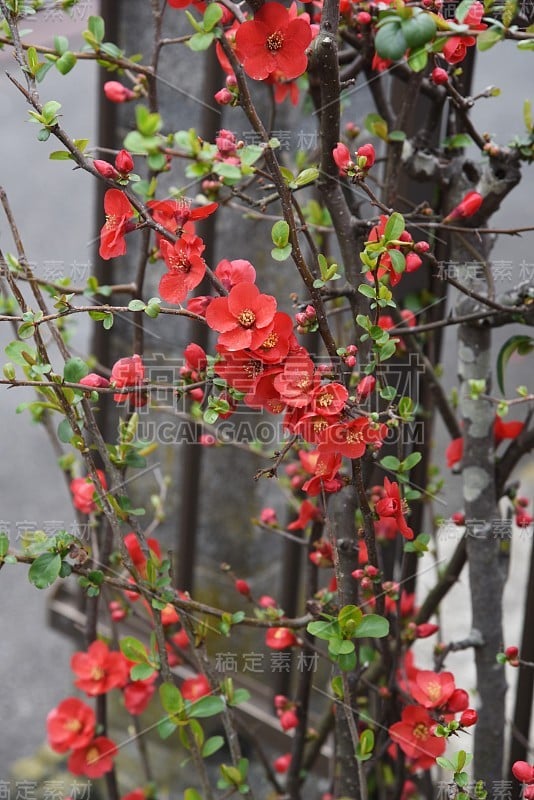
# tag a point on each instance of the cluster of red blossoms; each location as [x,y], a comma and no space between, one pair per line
[437,701]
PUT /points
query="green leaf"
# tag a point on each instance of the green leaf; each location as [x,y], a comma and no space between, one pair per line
[281,253]
[463,9]
[200,41]
[64,431]
[166,727]
[280,233]
[489,37]
[377,125]
[527,45]
[387,350]
[26,330]
[410,461]
[44,570]
[136,305]
[4,544]
[207,706]
[212,745]
[418,29]
[457,142]
[444,763]
[212,16]
[60,155]
[140,672]
[323,629]
[374,626]
[171,698]
[192,794]
[21,353]
[418,59]
[397,259]
[66,62]
[390,41]
[397,136]
[390,462]
[368,291]
[394,227]
[33,60]
[133,650]
[307,176]
[75,369]
[97,27]
[521,344]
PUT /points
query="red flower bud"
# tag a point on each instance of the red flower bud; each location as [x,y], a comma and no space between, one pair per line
[469,205]
[421,247]
[363,17]
[468,718]
[242,587]
[426,629]
[341,155]
[511,652]
[124,162]
[289,720]
[106,169]
[282,763]
[439,76]
[458,518]
[523,520]
[367,151]
[117,93]
[95,381]
[280,701]
[266,601]
[458,701]
[366,386]
[523,772]
[223,97]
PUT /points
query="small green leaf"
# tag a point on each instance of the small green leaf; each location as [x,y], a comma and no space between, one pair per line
[207,706]
[373,626]
[75,369]
[4,544]
[281,253]
[192,794]
[394,227]
[410,461]
[488,38]
[397,259]
[140,672]
[200,41]
[368,291]
[212,745]
[166,727]
[307,176]
[97,28]
[66,62]
[280,233]
[390,462]
[377,125]
[171,698]
[212,16]
[133,650]
[44,570]
[136,305]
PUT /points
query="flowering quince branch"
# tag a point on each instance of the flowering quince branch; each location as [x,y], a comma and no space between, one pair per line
[336,416]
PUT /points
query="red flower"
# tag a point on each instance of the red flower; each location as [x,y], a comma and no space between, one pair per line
[273,42]
[279,638]
[351,438]
[413,736]
[137,695]
[243,317]
[136,554]
[455,48]
[127,372]
[94,760]
[278,341]
[118,212]
[70,725]
[506,430]
[232,272]
[329,399]
[298,381]
[83,491]
[392,505]
[194,688]
[99,669]
[307,513]
[325,477]
[185,265]
[432,689]
[174,214]
[137,794]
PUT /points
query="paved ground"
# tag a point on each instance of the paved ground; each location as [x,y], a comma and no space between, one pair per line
[33,659]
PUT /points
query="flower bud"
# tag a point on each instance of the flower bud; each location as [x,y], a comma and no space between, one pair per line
[289,720]
[363,17]
[458,701]
[242,587]
[94,381]
[117,93]
[124,162]
[468,718]
[366,151]
[511,652]
[439,76]
[523,772]
[426,629]
[223,97]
